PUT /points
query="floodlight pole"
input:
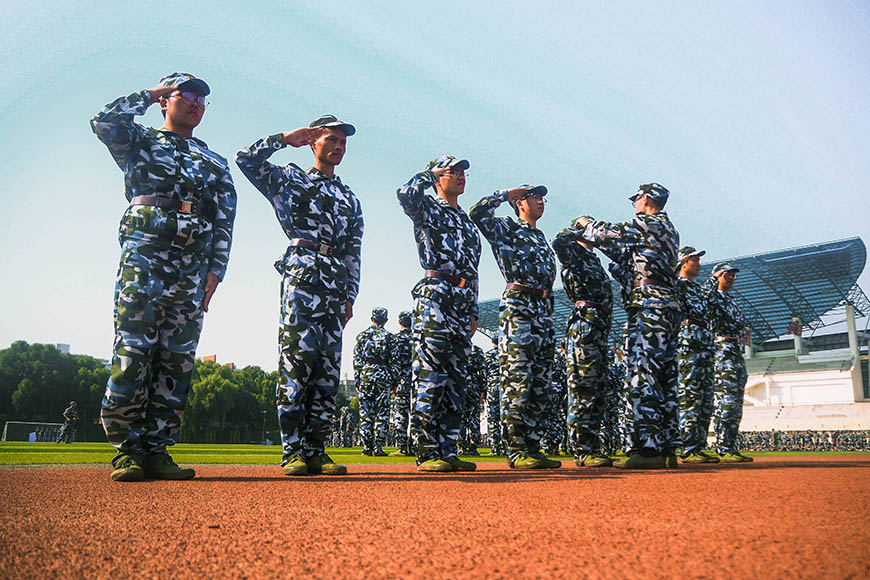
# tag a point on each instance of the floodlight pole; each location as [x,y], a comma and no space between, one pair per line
[857,380]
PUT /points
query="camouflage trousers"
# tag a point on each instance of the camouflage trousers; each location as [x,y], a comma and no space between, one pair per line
[400,415]
[610,433]
[695,388]
[469,430]
[494,424]
[158,320]
[588,377]
[729,383]
[652,409]
[67,433]
[309,361]
[555,422]
[374,416]
[525,349]
[439,367]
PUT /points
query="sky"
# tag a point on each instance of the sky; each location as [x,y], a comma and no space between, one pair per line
[753,114]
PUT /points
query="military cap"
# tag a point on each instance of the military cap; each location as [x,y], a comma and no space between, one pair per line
[656,192]
[405,318]
[331,121]
[72,402]
[185,82]
[724,267]
[379,314]
[687,252]
[540,190]
[447,161]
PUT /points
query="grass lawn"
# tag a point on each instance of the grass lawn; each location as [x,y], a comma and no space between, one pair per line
[24,453]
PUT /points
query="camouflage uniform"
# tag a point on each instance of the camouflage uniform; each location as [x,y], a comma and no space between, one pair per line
[470,427]
[695,366]
[647,248]
[494,425]
[315,287]
[556,421]
[587,285]
[527,339]
[344,427]
[726,320]
[166,256]
[68,429]
[447,242]
[612,431]
[401,356]
[373,369]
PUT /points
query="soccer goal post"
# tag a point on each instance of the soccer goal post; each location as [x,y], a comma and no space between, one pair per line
[30,431]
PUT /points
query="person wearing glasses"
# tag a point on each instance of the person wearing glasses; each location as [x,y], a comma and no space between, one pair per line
[730,333]
[646,248]
[320,269]
[175,240]
[526,335]
[445,310]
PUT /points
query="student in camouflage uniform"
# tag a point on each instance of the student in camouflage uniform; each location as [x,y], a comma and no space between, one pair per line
[612,432]
[373,369]
[730,331]
[647,248]
[588,287]
[320,271]
[469,432]
[344,427]
[401,356]
[175,244]
[694,360]
[525,322]
[68,429]
[555,436]
[494,423]
[445,309]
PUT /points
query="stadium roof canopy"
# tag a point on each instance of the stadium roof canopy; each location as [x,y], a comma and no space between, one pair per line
[772,289]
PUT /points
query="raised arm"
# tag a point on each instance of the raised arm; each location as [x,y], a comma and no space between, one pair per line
[483,215]
[412,195]
[114,125]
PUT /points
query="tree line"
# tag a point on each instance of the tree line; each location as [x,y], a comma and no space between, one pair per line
[37,382]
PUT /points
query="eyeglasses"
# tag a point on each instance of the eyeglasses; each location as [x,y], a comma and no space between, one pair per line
[192,98]
[541,198]
[457,171]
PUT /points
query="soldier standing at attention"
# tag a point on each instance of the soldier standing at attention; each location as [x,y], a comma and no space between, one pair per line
[469,432]
[175,244]
[730,330]
[402,405]
[649,245]
[525,318]
[694,360]
[493,400]
[320,271]
[68,429]
[588,287]
[373,370]
[445,309]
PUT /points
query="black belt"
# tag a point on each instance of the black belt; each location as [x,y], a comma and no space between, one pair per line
[461,282]
[319,248]
[206,210]
[732,339]
[650,282]
[526,289]
[588,304]
[695,321]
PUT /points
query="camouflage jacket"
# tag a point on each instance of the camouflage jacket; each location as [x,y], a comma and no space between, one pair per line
[492,370]
[522,252]
[374,346]
[403,351]
[447,241]
[160,163]
[725,316]
[71,415]
[476,373]
[647,247]
[582,274]
[314,207]
[694,304]
[559,377]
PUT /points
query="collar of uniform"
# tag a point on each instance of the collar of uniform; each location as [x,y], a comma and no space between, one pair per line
[525,224]
[317,174]
[173,135]
[444,203]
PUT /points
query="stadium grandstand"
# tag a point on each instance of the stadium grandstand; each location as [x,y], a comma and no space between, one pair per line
[804,371]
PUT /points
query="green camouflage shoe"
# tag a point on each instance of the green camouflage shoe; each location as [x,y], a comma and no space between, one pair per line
[731,457]
[526,461]
[694,458]
[745,458]
[670,460]
[295,465]
[708,457]
[161,466]
[323,464]
[638,461]
[435,466]
[548,463]
[127,468]
[593,460]
[459,465]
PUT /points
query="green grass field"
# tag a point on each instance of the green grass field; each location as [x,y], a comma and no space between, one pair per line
[24,453]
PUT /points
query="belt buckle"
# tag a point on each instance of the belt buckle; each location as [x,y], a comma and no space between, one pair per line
[462,282]
[186,207]
[544,294]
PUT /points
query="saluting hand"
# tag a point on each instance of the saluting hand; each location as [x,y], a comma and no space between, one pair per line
[302,136]
[515,193]
[160,92]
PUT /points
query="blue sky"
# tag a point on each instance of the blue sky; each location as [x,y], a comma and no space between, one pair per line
[753,114]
